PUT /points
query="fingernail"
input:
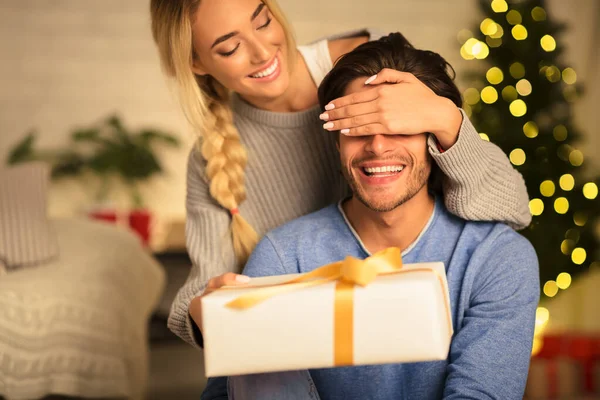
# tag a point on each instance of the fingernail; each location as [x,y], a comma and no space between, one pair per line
[242,278]
[330,106]
[328,125]
[371,79]
[324,116]
[345,131]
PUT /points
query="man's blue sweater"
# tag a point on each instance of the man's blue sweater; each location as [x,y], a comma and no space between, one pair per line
[493,280]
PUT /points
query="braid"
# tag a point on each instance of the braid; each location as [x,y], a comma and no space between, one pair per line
[226,159]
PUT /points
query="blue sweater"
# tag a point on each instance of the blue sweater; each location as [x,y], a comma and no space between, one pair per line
[493,280]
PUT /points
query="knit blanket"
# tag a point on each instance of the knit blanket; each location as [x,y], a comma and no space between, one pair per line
[77,326]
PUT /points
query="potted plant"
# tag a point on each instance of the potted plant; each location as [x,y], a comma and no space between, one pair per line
[107,150]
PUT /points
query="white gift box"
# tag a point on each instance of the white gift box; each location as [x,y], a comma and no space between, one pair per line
[400,317]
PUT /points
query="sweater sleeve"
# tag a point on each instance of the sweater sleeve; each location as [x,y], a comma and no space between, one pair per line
[208,245]
[490,351]
[479,183]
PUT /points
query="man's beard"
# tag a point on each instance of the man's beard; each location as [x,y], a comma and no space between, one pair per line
[415,182]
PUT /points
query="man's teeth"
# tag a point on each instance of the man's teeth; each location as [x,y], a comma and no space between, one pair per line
[268,71]
[375,170]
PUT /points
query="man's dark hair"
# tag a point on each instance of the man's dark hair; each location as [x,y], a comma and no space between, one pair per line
[394,52]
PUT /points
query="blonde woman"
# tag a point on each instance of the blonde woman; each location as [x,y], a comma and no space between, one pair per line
[264,155]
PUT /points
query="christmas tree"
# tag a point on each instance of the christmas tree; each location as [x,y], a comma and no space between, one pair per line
[521,97]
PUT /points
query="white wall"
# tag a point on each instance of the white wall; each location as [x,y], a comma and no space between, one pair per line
[72,62]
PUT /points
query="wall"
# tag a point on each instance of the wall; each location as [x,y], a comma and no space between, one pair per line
[67,63]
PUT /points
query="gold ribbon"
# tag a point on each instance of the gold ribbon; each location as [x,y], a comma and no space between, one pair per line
[347,273]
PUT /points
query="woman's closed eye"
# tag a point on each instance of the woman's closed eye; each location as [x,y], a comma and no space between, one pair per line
[229,53]
[263,26]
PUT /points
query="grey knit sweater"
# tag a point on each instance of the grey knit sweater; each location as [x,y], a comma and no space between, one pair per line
[293,169]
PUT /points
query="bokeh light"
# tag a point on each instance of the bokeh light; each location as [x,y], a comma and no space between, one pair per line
[561,205]
[578,255]
[517,157]
[494,75]
[567,246]
[566,182]
[576,158]
[550,288]
[513,17]
[548,43]
[518,108]
[538,14]
[489,95]
[580,218]
[563,280]
[560,132]
[524,87]
[569,76]
[471,96]
[499,6]
[590,190]
[484,137]
[547,188]
[488,27]
[536,207]
[552,74]
[517,70]
[530,129]
[519,32]
[509,93]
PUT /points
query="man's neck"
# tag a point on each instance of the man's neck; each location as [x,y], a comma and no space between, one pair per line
[397,228]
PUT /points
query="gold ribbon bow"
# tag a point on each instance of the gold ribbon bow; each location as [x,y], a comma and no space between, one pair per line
[347,273]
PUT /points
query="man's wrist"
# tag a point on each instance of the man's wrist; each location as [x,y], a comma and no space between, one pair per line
[450,119]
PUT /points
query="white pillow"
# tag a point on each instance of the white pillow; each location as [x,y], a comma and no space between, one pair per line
[26,235]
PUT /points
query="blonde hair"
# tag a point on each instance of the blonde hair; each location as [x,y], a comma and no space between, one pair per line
[205,103]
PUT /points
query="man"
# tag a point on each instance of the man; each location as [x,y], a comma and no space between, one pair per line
[492,271]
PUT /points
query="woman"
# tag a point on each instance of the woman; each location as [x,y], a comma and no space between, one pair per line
[263,153]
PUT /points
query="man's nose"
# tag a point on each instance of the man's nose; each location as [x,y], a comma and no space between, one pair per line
[379,144]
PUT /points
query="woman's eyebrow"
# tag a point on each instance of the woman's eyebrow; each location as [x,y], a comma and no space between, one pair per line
[229,35]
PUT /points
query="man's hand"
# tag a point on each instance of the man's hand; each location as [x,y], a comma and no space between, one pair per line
[228,279]
[398,104]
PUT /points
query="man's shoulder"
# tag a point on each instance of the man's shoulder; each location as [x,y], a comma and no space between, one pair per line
[324,220]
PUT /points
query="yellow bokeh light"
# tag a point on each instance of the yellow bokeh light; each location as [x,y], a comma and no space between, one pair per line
[489,95]
[484,137]
[466,50]
[563,280]
[566,182]
[580,218]
[561,205]
[537,345]
[494,75]
[499,6]
[563,151]
[513,17]
[538,14]
[517,157]
[542,316]
[471,96]
[547,188]
[548,43]
[468,110]
[518,108]
[570,93]
[573,234]
[550,288]
[530,129]
[536,206]
[499,32]
[488,27]
[569,76]
[552,74]
[464,35]
[509,93]
[560,132]
[524,87]
[576,158]
[590,190]
[493,42]
[481,51]
[567,246]
[578,256]
[519,32]
[517,70]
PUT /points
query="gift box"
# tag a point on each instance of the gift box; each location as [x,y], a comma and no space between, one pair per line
[390,313]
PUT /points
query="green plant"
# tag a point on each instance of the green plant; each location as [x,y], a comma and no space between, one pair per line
[107,149]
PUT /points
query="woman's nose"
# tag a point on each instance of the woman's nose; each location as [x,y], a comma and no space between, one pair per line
[260,52]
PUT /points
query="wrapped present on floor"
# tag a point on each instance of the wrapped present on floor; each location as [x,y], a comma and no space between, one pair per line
[353,312]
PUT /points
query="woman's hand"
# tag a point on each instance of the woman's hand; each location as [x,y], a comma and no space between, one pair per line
[397,104]
[228,279]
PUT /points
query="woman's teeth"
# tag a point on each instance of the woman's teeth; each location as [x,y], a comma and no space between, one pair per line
[379,170]
[268,71]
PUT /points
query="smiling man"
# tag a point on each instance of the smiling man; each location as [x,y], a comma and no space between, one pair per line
[492,271]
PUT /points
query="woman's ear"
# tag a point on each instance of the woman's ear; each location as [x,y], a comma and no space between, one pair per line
[197,68]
